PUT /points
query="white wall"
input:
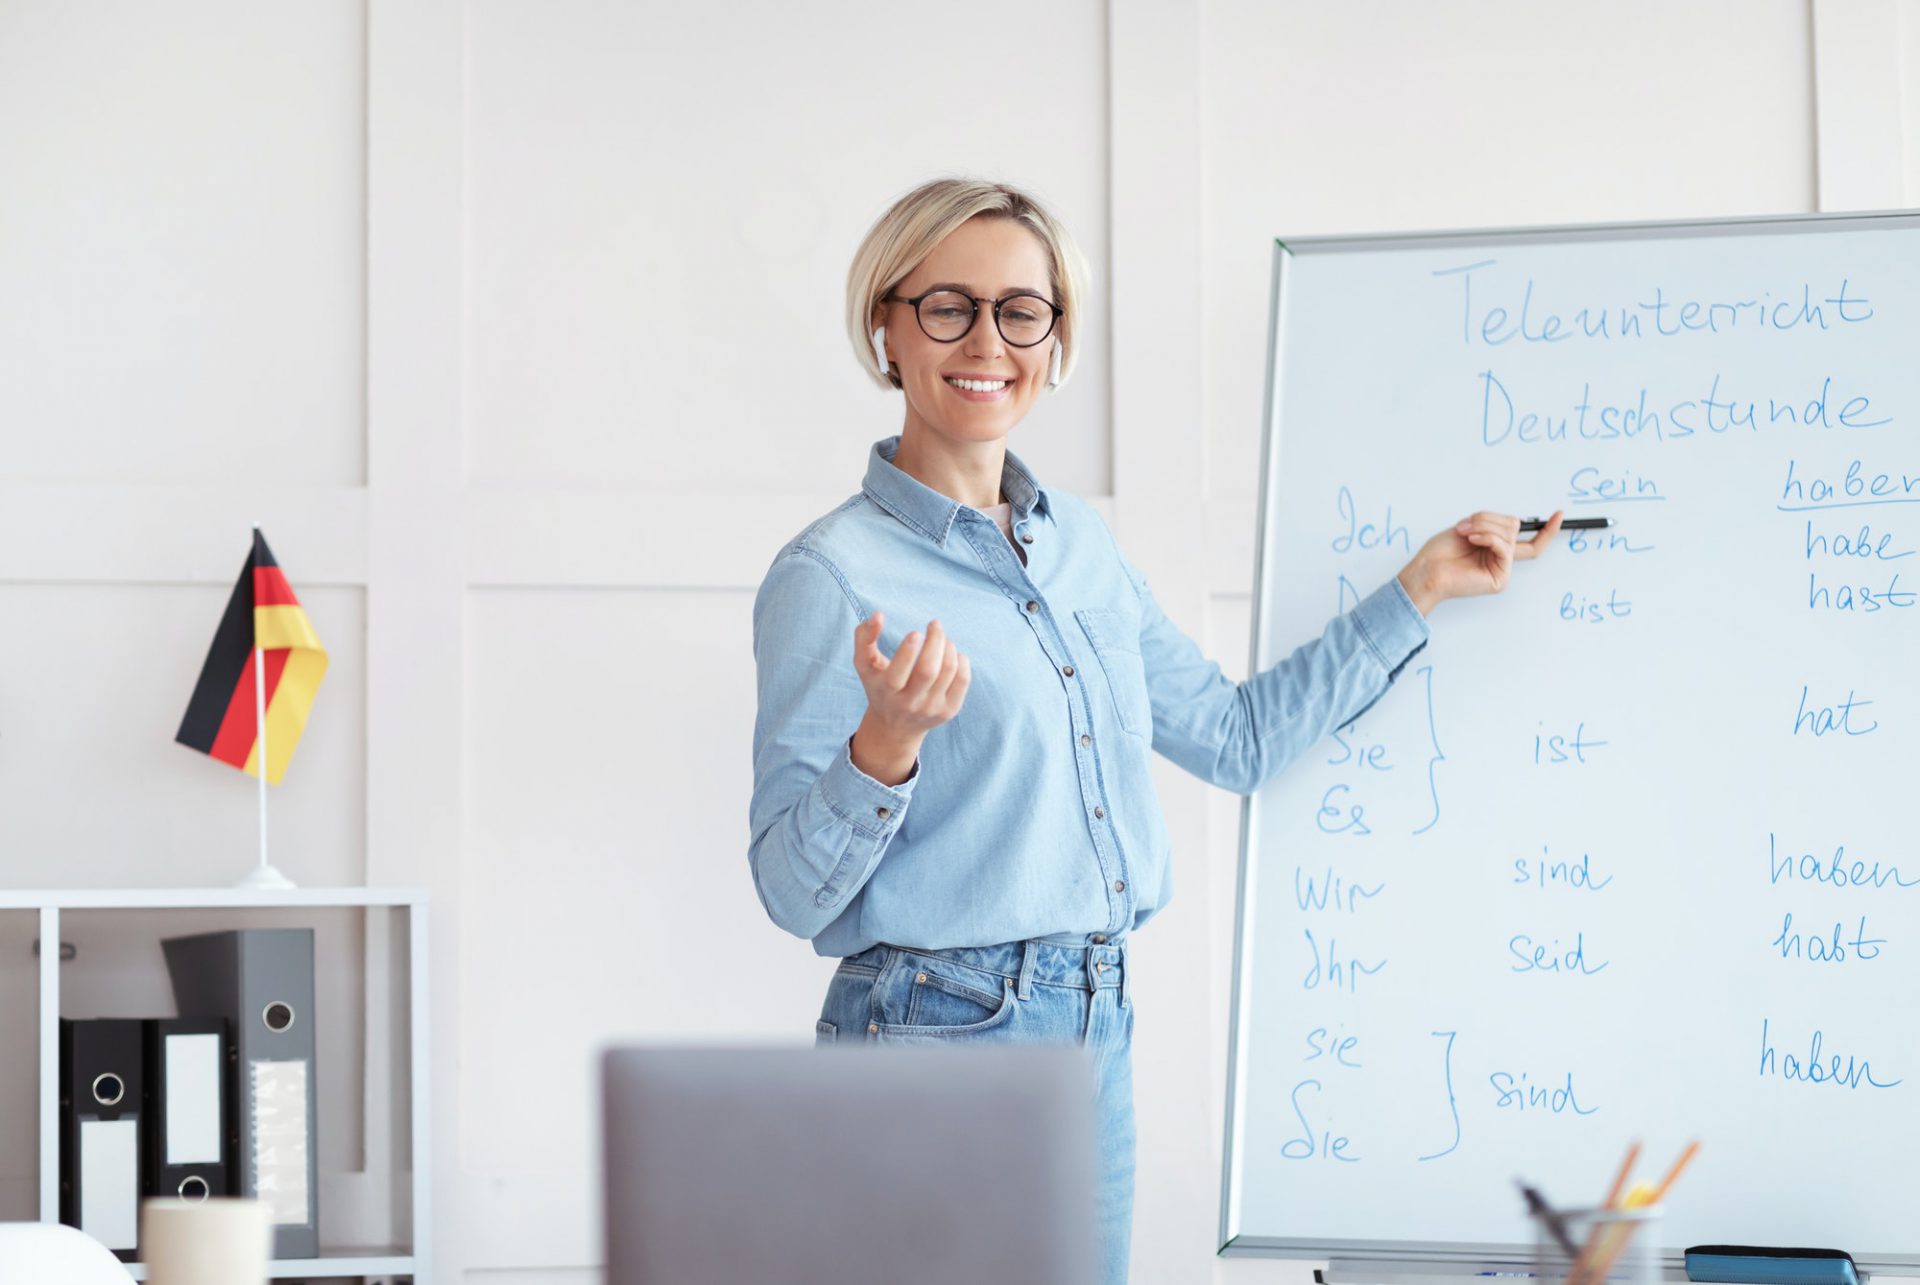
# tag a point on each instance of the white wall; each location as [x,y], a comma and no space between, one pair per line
[517,326]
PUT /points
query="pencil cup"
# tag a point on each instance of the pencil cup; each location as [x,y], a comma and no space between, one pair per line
[205,1242]
[1598,1247]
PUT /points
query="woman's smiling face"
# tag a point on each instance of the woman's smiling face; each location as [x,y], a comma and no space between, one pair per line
[988,258]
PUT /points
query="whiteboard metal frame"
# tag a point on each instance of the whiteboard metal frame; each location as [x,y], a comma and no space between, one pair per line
[1403,1254]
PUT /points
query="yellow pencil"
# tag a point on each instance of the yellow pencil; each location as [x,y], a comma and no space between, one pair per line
[1620,1182]
[1583,1264]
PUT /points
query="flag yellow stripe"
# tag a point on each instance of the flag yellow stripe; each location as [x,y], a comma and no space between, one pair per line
[275,628]
[287,712]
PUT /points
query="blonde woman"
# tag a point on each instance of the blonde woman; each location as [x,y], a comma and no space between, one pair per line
[961,678]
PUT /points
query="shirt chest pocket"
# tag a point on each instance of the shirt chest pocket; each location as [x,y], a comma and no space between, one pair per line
[1116,644]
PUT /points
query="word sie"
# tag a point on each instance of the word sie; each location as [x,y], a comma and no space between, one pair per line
[1314,1143]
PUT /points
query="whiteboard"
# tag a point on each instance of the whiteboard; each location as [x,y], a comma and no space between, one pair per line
[1629,850]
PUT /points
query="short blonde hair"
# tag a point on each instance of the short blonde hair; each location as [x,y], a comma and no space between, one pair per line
[913,225]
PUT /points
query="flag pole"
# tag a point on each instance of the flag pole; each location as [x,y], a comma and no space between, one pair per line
[263,875]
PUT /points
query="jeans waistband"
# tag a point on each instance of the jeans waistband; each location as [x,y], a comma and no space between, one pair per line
[1031,963]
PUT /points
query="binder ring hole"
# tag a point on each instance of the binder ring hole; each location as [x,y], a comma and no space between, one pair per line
[193,1187]
[108,1089]
[278,1016]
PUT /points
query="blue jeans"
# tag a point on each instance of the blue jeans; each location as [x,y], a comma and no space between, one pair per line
[1027,992]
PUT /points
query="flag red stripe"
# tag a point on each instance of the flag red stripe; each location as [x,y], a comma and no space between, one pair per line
[237,729]
[270,588]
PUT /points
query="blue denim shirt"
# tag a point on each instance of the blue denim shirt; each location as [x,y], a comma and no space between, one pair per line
[1032,812]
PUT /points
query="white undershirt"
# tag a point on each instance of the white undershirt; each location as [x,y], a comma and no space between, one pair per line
[1002,514]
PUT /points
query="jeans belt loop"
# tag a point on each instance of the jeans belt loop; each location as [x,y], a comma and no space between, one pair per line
[1126,972]
[1027,958]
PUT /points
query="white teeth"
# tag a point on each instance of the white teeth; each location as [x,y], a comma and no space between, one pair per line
[978,385]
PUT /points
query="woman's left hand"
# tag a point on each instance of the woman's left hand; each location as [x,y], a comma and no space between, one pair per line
[1474,557]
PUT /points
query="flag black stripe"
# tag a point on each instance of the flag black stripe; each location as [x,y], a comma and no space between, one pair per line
[226,661]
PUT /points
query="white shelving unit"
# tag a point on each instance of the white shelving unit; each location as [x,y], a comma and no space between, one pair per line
[413,1260]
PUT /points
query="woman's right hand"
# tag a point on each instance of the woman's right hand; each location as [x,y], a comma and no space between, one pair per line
[919,688]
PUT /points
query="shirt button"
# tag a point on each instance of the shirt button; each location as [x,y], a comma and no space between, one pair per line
[1119,885]
[1067,670]
[1099,814]
[882,813]
[1085,740]
[1099,939]
[1032,605]
[872,1029]
[1100,967]
[1026,538]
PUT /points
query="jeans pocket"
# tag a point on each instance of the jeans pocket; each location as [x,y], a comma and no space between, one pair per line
[825,1033]
[927,997]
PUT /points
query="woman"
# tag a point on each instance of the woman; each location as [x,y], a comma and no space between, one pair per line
[964,814]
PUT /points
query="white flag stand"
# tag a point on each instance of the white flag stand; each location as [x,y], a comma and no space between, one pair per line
[262,875]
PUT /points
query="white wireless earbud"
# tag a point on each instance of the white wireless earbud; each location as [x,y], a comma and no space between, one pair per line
[1053,375]
[880,348]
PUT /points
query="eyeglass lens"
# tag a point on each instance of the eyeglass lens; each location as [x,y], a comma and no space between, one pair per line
[1024,319]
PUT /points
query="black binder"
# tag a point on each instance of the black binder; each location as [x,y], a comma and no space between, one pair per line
[189,1077]
[100,1101]
[261,981]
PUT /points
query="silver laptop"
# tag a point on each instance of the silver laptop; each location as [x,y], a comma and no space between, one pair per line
[848,1166]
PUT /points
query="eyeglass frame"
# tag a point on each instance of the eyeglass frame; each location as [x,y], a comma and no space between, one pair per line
[976,301]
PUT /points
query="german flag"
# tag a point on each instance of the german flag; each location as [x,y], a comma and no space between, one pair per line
[261,613]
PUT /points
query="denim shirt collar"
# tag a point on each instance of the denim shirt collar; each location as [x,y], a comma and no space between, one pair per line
[929,512]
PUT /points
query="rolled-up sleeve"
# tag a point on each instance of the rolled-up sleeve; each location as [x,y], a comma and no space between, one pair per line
[1238,735]
[819,825]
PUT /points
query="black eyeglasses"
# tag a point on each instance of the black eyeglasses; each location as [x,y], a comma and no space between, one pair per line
[946,316]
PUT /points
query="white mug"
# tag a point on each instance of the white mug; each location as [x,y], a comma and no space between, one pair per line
[205,1242]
